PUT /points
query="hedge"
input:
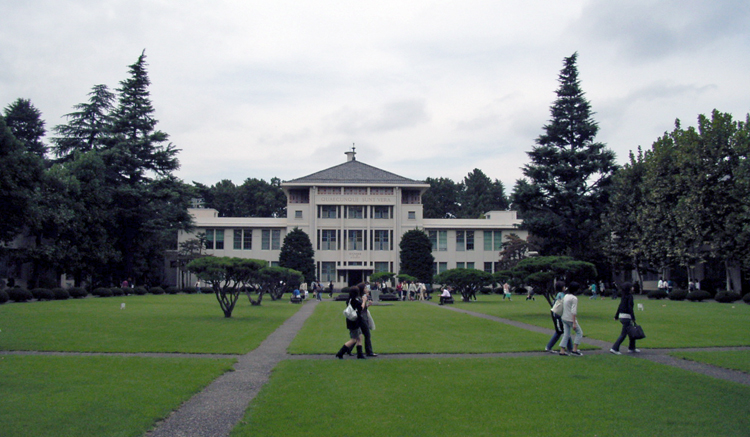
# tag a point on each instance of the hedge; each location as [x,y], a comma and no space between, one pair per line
[139,291]
[42,294]
[102,292]
[678,295]
[657,294]
[156,290]
[60,293]
[4,296]
[727,297]
[78,292]
[698,295]
[19,295]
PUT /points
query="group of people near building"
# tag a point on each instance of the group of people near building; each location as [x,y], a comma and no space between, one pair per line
[412,290]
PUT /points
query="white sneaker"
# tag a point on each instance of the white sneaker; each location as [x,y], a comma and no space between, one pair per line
[634,351]
[612,351]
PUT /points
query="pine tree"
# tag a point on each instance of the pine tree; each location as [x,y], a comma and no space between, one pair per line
[297,253]
[565,191]
[88,128]
[26,124]
[416,255]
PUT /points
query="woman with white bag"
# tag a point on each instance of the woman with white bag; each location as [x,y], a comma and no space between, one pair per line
[357,302]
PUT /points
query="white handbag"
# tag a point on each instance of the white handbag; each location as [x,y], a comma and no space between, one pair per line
[557,308]
[350,313]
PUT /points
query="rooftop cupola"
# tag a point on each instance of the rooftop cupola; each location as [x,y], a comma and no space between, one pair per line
[350,155]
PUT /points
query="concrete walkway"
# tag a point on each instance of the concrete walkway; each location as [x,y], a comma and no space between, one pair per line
[220,406]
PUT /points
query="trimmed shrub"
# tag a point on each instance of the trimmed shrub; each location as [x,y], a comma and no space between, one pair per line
[657,294]
[102,292]
[189,290]
[207,290]
[139,291]
[171,290]
[19,295]
[726,297]
[78,292]
[698,295]
[117,291]
[4,296]
[43,294]
[60,293]
[156,290]
[746,298]
[678,294]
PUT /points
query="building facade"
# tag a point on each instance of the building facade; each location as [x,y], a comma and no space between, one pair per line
[355,215]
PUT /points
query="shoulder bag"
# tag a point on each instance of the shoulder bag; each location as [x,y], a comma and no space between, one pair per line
[557,308]
[350,313]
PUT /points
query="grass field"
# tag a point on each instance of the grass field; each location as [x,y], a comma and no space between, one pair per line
[668,324]
[93,395]
[164,323]
[412,327]
[735,360]
[96,395]
[600,395]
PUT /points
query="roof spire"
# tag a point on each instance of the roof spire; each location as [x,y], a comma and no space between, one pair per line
[350,154]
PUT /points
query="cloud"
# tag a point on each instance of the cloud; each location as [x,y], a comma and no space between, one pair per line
[395,115]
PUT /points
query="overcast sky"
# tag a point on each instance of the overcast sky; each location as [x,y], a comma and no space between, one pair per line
[262,89]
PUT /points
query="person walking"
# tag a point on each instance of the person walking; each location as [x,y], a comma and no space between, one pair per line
[366,323]
[626,315]
[560,289]
[593,290]
[330,289]
[355,333]
[506,291]
[570,321]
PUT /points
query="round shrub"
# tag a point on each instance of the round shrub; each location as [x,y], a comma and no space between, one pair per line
[19,295]
[171,290]
[60,293]
[117,291]
[102,292]
[746,298]
[156,290]
[42,294]
[698,295]
[189,290]
[726,297]
[139,291]
[207,290]
[657,294]
[678,295]
[78,292]
[4,296]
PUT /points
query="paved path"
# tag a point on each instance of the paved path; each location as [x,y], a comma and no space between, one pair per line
[221,405]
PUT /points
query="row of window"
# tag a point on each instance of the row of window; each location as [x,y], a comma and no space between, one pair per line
[243,239]
[440,267]
[354,239]
[354,211]
[327,269]
[493,240]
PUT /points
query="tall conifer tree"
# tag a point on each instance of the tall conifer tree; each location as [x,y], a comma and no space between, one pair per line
[564,192]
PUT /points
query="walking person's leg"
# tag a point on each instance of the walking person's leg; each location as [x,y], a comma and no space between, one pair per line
[567,326]
[624,333]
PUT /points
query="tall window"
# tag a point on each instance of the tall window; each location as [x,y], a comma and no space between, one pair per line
[215,239]
[381,267]
[355,212]
[327,271]
[355,240]
[243,239]
[442,241]
[271,239]
[328,211]
[487,240]
[488,267]
[381,212]
[498,246]
[381,240]
[469,240]
[433,240]
[460,241]
[328,239]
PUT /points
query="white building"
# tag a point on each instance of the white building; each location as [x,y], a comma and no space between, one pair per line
[355,215]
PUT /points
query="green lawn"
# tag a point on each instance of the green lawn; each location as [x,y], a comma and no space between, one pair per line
[96,395]
[599,395]
[668,324]
[736,360]
[413,327]
[164,323]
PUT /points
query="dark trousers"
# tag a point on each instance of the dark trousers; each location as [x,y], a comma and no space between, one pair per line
[623,334]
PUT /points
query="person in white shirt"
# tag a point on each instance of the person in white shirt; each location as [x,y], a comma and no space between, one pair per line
[446,294]
[570,321]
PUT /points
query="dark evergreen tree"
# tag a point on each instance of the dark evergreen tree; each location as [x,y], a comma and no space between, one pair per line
[297,253]
[88,128]
[481,195]
[566,187]
[26,124]
[442,199]
[416,255]
[20,172]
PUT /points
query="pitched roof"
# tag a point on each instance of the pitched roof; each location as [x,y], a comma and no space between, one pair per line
[353,172]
